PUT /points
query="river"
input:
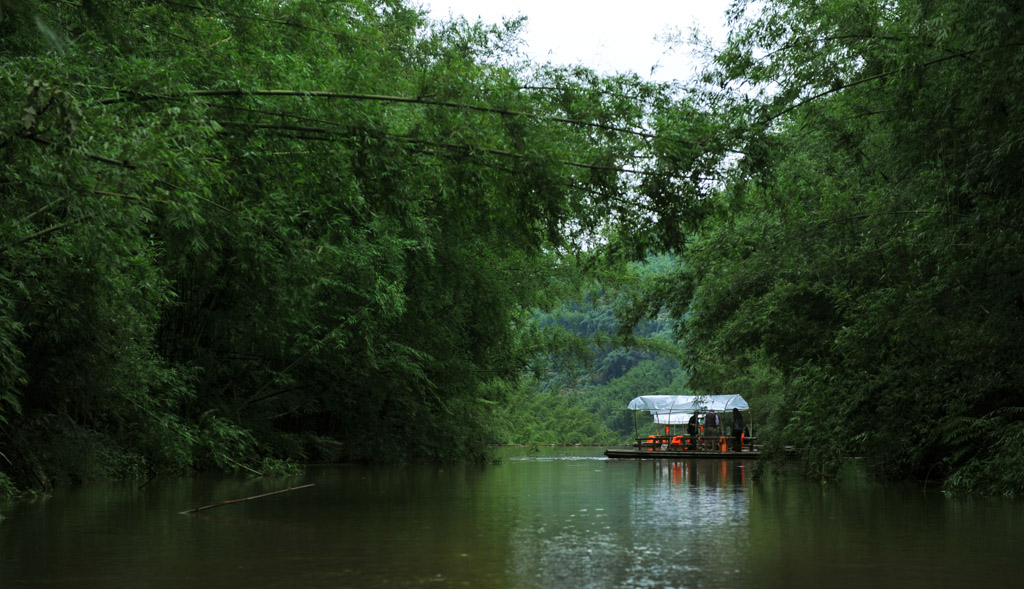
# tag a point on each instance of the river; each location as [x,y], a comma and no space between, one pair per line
[551,517]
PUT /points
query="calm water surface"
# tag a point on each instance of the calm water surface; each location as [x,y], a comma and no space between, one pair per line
[553,518]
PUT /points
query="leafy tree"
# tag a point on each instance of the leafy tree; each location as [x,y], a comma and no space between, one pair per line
[861,276]
[236,231]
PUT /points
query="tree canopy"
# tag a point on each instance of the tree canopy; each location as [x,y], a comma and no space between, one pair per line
[236,233]
[306,230]
[863,276]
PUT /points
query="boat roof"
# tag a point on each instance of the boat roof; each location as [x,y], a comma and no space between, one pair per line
[668,409]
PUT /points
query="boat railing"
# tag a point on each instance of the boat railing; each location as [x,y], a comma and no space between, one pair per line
[699,442]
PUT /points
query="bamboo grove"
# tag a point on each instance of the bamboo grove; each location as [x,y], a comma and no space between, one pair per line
[236,233]
[863,279]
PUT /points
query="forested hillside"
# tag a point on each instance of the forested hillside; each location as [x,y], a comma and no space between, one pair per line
[577,392]
[236,233]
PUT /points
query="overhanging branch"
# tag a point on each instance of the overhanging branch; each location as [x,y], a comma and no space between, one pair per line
[324,132]
[881,76]
[238,93]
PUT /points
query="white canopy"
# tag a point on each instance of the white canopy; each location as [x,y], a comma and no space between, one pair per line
[675,409]
[671,418]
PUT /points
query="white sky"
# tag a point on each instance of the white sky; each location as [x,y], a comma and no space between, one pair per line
[603,35]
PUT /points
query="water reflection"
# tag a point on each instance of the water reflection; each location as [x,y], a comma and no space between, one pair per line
[861,532]
[648,523]
[690,520]
[710,473]
[550,518]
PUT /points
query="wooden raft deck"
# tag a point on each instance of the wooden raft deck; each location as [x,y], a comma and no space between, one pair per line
[680,454]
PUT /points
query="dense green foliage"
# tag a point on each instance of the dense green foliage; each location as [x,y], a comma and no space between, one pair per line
[238,231]
[532,417]
[862,278]
[592,368]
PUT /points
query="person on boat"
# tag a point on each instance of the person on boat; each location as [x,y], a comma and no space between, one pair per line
[711,424]
[692,428]
[737,430]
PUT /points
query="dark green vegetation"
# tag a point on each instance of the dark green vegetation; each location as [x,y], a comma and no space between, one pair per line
[578,392]
[237,233]
[862,281]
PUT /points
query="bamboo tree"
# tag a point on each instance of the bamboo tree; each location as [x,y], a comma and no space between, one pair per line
[239,231]
[861,274]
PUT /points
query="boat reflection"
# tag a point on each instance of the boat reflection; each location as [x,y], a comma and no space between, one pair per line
[696,472]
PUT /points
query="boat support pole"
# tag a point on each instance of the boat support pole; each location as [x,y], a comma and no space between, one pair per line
[636,440]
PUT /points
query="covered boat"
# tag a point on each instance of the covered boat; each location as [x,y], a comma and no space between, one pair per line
[677,409]
[674,412]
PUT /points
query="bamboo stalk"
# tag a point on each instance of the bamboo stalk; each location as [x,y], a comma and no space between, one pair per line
[229,501]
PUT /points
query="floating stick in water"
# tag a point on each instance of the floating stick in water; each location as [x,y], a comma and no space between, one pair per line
[198,509]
